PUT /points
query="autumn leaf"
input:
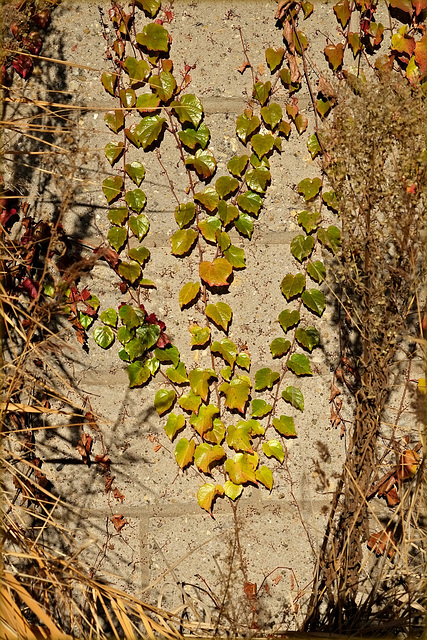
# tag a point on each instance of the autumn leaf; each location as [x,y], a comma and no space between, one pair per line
[119,522]
[380,541]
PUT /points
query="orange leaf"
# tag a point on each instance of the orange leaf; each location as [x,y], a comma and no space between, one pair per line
[119,522]
[118,495]
[216,273]
[379,541]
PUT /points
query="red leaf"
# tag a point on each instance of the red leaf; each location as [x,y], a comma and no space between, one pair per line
[378,543]
[42,18]
[108,482]
[118,495]
[104,461]
[119,522]
[23,65]
[420,53]
[30,287]
[163,341]
[33,43]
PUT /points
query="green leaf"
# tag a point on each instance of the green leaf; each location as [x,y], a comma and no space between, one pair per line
[217,433]
[323,106]
[199,381]
[316,271]
[274,58]
[188,109]
[136,200]
[199,335]
[274,449]
[301,247]
[148,334]
[127,97]
[265,379]
[184,214]
[132,135]
[112,187]
[227,349]
[209,198]
[203,163]
[232,490]
[113,151]
[236,393]
[139,225]
[154,37]
[246,126]
[109,316]
[285,426]
[135,349]
[205,456]
[219,313]
[272,115]
[308,337]
[130,271]
[139,254]
[262,143]
[288,319]
[279,347]
[238,438]
[182,241]
[173,425]
[163,400]
[150,7]
[257,179]
[216,273]
[309,221]
[147,103]
[301,123]
[227,212]
[243,360]
[135,171]
[286,78]
[354,42]
[241,469]
[307,8]
[153,365]
[237,165]
[342,12]
[225,186]
[330,199]
[138,373]
[193,138]
[184,452]
[330,238]
[223,240]
[164,85]
[204,420]
[169,354]
[262,91]
[226,373]
[314,300]
[299,364]
[85,320]
[292,285]
[294,396]
[265,476]
[149,130]
[131,317]
[334,55]
[250,202]
[115,120]
[235,256]
[313,145]
[177,375]
[309,188]
[190,402]
[188,293]
[244,225]
[117,236]
[209,227]
[207,494]
[103,336]
[138,70]
[284,128]
[124,335]
[109,82]
[260,408]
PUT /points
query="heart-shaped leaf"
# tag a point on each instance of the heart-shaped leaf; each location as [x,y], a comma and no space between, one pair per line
[262,91]
[232,490]
[237,165]
[225,186]
[314,300]
[131,135]
[274,58]
[168,354]
[163,400]
[223,240]
[209,228]
[178,374]
[199,381]
[272,115]
[245,127]
[308,337]
[190,402]
[203,422]
[274,449]
[139,225]
[154,37]
[115,120]
[301,247]
[354,43]
[241,469]
[250,202]
[209,198]
[257,179]
[235,256]
[330,199]
[109,82]
[188,293]
[138,70]
[334,55]
[140,254]
[109,317]
[130,317]
[288,319]
[149,130]
[316,271]
[182,241]
[199,335]
[173,425]
[184,452]
[112,188]
[227,349]
[294,396]
[216,273]
[117,236]
[227,212]
[207,494]
[193,138]
[265,476]
[135,171]
[203,163]
[342,12]
[309,188]
[279,347]
[313,145]
[330,238]
[188,109]
[243,360]
[260,408]
[262,143]
[150,7]
[184,214]
[301,123]
[138,373]
[205,455]
[147,103]
[136,200]
[292,285]
[285,426]
[299,364]
[238,438]
[164,85]
[420,53]
[323,106]
[244,224]
[309,221]
[103,336]
[130,271]
[265,379]
[219,313]
[127,97]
